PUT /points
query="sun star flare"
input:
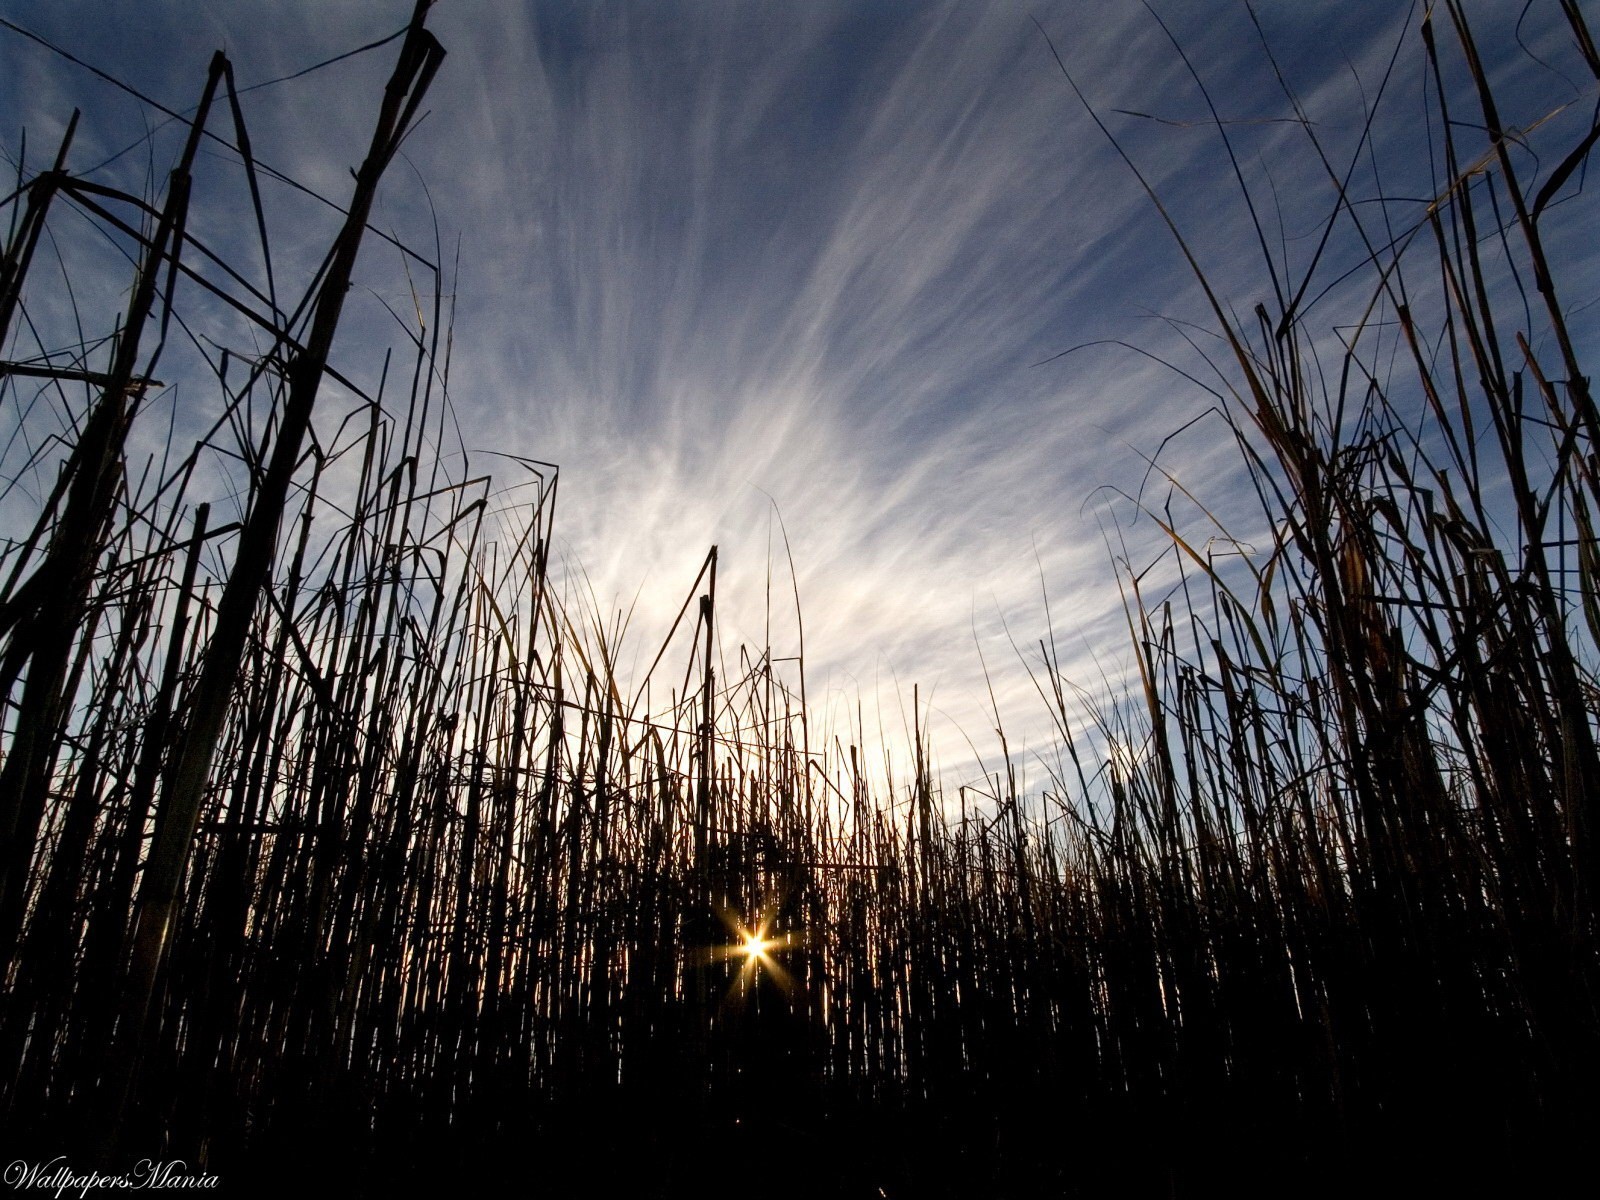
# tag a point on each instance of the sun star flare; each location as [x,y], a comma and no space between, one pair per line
[755,946]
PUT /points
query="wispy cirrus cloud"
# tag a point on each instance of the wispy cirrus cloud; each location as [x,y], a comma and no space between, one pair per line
[727,263]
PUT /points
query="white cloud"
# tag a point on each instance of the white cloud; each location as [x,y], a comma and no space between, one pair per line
[714,253]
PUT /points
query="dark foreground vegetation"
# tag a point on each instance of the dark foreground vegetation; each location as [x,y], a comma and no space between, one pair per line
[326,830]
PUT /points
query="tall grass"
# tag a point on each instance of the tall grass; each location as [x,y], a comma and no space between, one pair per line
[332,827]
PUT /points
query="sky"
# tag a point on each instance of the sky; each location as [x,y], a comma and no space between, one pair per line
[796,279]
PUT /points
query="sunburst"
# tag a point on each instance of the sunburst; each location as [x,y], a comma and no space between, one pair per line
[758,944]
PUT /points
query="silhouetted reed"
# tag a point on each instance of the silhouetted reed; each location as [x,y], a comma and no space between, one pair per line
[332,826]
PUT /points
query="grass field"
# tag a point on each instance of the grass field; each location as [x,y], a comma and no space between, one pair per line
[326,824]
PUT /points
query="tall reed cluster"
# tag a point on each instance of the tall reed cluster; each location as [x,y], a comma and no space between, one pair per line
[328,827]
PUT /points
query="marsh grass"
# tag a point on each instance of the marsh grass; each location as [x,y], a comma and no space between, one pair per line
[333,828]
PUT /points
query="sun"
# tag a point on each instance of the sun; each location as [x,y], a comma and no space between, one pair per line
[755,946]
[760,954]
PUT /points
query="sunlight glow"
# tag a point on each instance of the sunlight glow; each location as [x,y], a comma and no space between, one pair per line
[755,946]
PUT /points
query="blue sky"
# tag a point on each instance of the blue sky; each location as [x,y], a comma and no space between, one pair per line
[724,261]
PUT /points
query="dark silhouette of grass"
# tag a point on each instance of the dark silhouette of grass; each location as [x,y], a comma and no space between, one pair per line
[332,837]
